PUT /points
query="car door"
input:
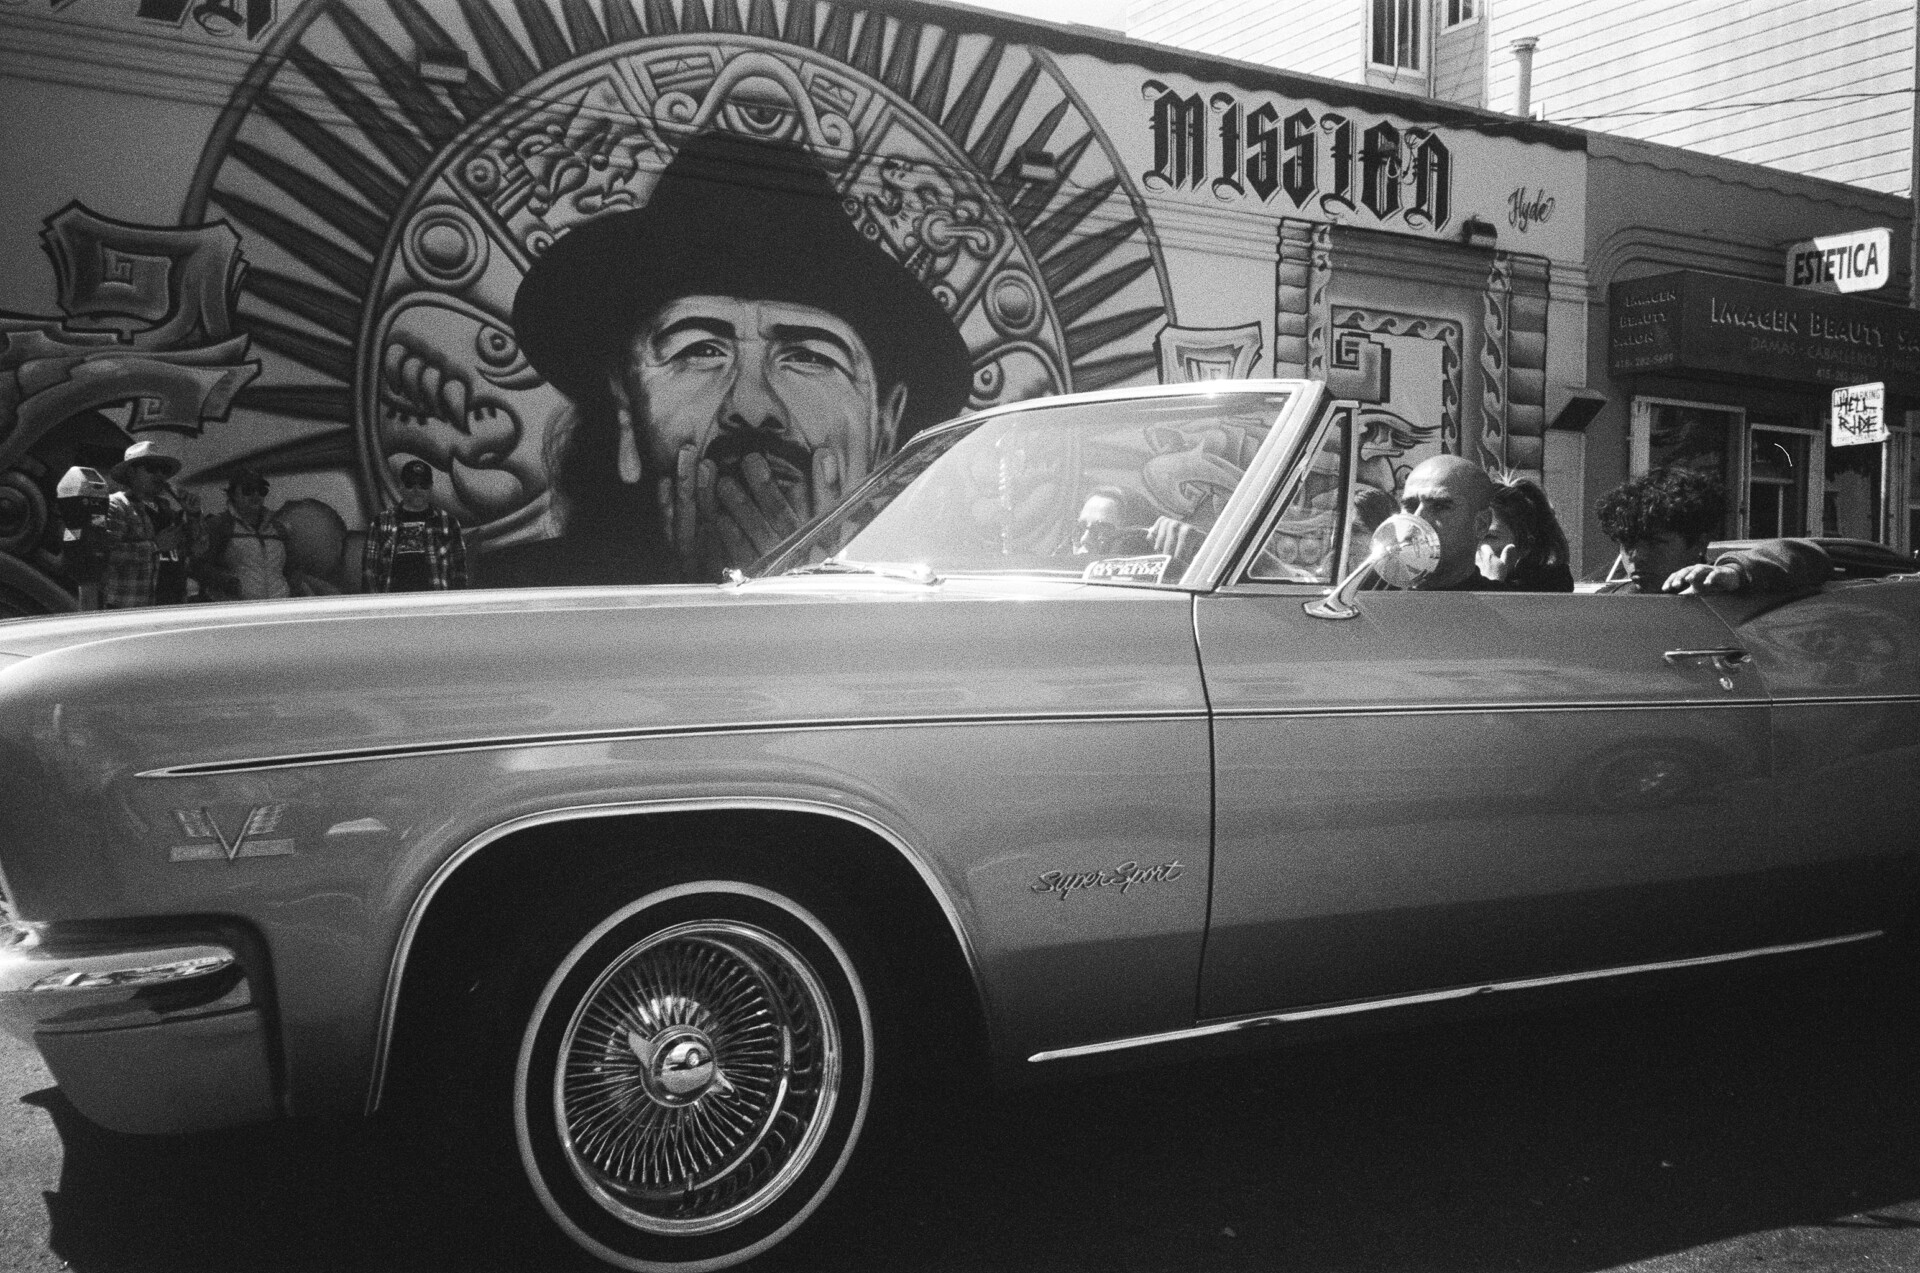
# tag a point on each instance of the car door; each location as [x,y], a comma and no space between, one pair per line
[1843,667]
[1467,788]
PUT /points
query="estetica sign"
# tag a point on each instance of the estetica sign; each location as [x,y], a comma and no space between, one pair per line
[1858,262]
[1709,324]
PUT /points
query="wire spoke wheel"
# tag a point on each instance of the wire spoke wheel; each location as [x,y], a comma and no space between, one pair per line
[697,1076]
[694,1077]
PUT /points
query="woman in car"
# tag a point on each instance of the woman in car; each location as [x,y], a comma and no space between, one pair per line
[1525,547]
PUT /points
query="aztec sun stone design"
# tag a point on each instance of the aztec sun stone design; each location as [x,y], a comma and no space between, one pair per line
[385,290]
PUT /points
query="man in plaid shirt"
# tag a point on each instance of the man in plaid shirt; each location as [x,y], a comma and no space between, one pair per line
[415,547]
[133,548]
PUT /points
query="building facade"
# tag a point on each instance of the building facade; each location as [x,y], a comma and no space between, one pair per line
[1707,355]
[297,241]
[1823,90]
[1433,48]
[1712,197]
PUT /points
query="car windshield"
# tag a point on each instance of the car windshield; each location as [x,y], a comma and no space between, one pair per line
[1121,491]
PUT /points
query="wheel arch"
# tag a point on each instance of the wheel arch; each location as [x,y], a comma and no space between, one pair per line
[852,835]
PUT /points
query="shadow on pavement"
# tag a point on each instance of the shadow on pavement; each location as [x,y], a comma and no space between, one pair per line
[1575,1139]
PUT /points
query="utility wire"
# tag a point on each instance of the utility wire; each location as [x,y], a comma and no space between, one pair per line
[1728,106]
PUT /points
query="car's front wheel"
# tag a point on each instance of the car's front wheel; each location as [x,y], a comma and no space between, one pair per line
[693,1077]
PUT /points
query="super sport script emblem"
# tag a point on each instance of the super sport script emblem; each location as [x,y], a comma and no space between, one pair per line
[212,844]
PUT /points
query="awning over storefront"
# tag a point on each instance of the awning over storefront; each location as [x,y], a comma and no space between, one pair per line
[1709,324]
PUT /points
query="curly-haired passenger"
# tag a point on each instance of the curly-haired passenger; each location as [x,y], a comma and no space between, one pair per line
[1663,522]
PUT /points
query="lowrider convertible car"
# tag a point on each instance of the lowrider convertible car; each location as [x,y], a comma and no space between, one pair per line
[1082,731]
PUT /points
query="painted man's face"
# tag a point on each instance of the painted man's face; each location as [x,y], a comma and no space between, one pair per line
[734,376]
[779,399]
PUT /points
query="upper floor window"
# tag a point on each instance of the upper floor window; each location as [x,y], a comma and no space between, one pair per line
[1397,39]
[1459,13]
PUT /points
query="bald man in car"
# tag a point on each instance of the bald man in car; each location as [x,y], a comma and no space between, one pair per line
[1455,497]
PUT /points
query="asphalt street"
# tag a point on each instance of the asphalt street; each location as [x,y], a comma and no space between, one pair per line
[1772,1123]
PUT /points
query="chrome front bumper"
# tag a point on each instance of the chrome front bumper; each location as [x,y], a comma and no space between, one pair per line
[148,1037]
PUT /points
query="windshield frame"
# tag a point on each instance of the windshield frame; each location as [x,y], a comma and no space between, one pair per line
[1243,511]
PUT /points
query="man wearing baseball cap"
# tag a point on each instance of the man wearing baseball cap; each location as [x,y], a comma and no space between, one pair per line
[741,355]
[414,547]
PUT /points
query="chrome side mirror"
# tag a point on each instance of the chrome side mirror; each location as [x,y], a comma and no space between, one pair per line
[1403,552]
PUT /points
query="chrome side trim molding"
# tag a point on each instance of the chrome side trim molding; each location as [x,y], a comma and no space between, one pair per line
[396,968]
[1845,700]
[1487,709]
[302,760]
[299,760]
[1432,996]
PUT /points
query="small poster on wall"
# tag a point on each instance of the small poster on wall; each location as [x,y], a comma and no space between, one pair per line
[1860,414]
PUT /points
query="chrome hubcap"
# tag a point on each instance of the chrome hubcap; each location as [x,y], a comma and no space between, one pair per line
[697,1077]
[677,1066]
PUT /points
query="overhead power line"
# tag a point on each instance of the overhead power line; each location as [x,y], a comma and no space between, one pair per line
[1730,106]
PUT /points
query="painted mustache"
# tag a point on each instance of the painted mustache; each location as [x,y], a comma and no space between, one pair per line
[791,461]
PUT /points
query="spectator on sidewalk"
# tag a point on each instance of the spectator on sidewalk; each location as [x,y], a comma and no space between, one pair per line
[414,547]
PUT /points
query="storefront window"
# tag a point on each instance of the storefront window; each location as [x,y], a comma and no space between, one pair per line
[1695,437]
[1777,482]
[1913,492]
[1852,505]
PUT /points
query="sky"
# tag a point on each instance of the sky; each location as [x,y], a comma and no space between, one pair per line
[1097,13]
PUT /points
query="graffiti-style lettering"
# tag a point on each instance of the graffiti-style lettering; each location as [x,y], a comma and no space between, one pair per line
[1380,167]
[1227,184]
[1524,210]
[1179,138]
[1432,175]
[1339,129]
[1263,151]
[146,318]
[1298,175]
[1345,165]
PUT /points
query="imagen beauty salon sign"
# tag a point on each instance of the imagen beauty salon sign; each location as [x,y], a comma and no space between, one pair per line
[1689,321]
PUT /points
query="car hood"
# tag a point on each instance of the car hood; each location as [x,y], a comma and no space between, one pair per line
[193,688]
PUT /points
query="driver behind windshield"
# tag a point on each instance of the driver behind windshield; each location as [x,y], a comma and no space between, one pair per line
[1112,523]
[1663,522]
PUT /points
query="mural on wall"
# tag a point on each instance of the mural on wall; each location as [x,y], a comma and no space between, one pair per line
[395,233]
[146,324]
[648,283]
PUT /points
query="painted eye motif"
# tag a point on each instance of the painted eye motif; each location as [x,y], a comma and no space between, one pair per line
[501,360]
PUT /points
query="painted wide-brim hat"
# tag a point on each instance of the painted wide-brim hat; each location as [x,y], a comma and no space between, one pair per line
[746,218]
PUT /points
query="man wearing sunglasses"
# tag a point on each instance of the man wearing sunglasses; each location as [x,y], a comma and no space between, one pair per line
[414,547]
[246,557]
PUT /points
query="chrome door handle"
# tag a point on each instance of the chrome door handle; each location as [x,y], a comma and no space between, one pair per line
[1726,661]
